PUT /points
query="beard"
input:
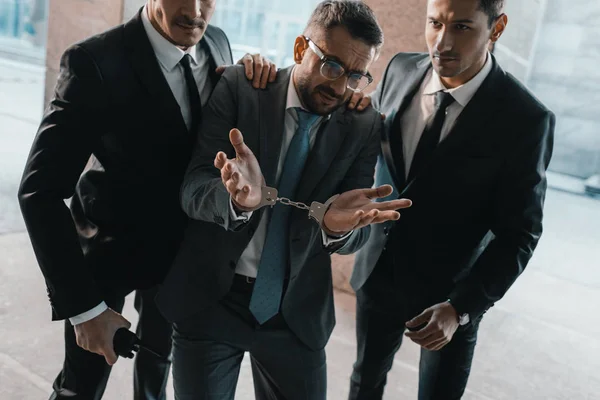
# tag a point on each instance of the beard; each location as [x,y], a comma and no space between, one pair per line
[311,97]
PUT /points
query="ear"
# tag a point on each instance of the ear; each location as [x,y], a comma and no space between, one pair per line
[499,27]
[300,46]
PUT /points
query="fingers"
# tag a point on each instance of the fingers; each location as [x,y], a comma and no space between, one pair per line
[437,345]
[368,218]
[258,68]
[220,69]
[364,103]
[273,73]
[248,63]
[379,192]
[237,141]
[420,319]
[220,160]
[392,205]
[385,216]
[264,77]
[354,100]
[109,354]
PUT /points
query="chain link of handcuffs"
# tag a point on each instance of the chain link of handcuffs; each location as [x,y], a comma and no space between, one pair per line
[316,211]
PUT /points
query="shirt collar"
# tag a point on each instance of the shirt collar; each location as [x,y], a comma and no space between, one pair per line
[465,92]
[293,100]
[167,53]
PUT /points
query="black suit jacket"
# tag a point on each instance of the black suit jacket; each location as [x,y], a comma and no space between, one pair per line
[114,111]
[343,158]
[477,207]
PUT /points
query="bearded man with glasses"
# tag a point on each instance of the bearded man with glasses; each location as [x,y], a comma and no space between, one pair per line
[258,279]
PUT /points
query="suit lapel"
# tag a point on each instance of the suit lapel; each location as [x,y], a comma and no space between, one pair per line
[272,101]
[392,146]
[147,68]
[468,123]
[215,51]
[327,144]
[471,120]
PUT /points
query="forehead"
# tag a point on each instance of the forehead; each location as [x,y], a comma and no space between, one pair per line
[452,10]
[339,45]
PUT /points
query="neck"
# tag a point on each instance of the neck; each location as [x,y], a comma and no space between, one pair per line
[295,83]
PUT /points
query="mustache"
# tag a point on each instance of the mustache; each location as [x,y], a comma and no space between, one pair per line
[196,23]
[330,92]
[447,54]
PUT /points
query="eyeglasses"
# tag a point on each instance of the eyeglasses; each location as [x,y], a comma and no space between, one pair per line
[333,70]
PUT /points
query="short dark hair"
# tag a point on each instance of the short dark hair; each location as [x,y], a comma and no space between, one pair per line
[354,15]
[492,8]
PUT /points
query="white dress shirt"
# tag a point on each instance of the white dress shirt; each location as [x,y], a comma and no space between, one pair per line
[423,106]
[169,56]
[250,259]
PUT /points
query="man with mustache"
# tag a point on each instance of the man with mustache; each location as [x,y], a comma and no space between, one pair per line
[469,145]
[258,279]
[129,101]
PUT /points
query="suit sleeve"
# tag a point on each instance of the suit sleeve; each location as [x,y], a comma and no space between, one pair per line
[203,195]
[517,223]
[58,156]
[360,176]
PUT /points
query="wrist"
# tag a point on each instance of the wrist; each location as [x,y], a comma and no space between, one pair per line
[239,208]
[461,317]
[333,233]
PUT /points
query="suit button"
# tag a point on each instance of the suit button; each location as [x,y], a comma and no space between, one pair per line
[219,220]
[386,231]
[232,265]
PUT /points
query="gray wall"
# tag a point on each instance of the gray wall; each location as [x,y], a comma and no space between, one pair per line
[566,76]
[553,46]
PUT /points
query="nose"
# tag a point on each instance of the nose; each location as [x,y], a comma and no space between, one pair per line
[445,41]
[339,85]
[192,9]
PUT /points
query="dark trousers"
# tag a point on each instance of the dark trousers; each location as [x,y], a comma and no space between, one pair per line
[84,374]
[208,351]
[383,307]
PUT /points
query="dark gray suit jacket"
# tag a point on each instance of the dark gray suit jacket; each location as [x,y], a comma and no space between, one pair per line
[343,158]
[477,207]
[111,103]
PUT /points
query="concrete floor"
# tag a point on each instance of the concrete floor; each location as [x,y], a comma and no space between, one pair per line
[540,342]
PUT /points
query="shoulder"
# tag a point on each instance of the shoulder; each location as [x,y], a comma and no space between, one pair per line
[215,32]
[404,61]
[364,121]
[521,100]
[103,43]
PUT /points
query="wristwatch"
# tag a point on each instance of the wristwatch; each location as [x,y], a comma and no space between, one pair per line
[463,319]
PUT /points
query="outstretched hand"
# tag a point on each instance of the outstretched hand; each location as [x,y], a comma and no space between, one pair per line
[241,175]
[355,209]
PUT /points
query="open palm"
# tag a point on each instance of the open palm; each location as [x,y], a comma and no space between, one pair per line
[355,209]
[241,175]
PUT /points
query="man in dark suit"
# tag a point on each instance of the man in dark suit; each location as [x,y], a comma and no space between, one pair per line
[258,280]
[469,145]
[128,100]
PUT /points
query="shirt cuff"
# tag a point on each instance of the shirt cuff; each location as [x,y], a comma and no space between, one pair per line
[244,216]
[88,315]
[329,240]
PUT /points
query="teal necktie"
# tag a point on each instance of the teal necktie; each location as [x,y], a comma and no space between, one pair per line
[268,287]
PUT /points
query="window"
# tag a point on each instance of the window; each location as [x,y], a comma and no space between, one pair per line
[265,27]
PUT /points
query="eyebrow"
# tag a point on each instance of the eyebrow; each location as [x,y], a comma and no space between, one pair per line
[458,21]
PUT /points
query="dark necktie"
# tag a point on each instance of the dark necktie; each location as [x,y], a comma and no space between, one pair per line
[431,135]
[268,287]
[193,94]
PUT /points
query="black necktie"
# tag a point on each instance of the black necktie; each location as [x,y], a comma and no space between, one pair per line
[431,135]
[193,94]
